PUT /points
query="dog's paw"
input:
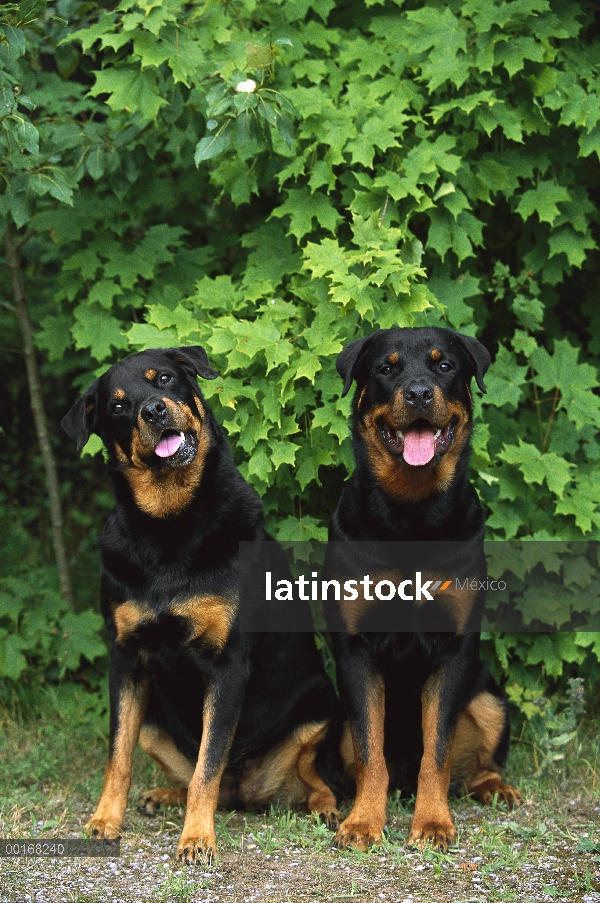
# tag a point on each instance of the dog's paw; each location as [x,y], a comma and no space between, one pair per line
[192,850]
[506,793]
[359,835]
[159,798]
[330,815]
[440,833]
[101,829]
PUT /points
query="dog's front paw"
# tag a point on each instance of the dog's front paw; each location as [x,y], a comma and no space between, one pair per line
[192,850]
[359,835]
[439,832]
[102,829]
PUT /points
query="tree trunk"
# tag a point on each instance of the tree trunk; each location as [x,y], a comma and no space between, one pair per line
[13,260]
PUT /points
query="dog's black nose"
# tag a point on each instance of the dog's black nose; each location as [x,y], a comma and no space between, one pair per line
[418,394]
[154,411]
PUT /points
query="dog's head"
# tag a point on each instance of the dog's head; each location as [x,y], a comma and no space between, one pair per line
[149,412]
[413,406]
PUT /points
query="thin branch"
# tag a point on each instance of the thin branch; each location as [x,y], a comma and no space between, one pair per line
[552,413]
[13,261]
[23,241]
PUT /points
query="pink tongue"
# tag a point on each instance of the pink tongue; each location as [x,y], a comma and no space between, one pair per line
[168,446]
[418,445]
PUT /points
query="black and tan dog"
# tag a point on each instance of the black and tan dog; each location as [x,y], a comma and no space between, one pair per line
[221,708]
[423,710]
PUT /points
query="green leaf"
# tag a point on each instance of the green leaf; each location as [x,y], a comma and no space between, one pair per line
[12,660]
[536,467]
[583,505]
[54,337]
[27,135]
[94,329]
[303,207]
[130,89]
[260,464]
[451,292]
[567,241]
[543,200]
[80,638]
[283,453]
[211,146]
[505,381]
[574,380]
[589,143]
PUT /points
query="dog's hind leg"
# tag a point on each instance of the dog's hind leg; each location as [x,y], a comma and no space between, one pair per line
[321,799]
[287,775]
[479,750]
[161,747]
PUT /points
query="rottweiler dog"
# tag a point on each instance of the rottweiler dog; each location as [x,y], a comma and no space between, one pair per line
[424,712]
[231,714]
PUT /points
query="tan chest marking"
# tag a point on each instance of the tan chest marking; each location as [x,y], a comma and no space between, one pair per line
[208,617]
[129,616]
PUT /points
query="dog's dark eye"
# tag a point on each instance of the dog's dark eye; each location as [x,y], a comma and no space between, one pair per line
[385,370]
[445,367]
[116,407]
[164,379]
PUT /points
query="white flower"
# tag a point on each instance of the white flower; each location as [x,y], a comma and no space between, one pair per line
[246,87]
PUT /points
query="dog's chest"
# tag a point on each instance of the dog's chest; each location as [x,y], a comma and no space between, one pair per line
[201,620]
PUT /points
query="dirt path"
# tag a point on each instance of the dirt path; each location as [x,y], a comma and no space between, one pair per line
[546,851]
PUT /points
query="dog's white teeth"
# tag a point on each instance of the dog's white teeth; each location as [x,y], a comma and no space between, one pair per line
[399,434]
[437,434]
[182,435]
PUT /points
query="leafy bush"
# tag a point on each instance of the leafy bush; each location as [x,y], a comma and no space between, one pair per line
[272,180]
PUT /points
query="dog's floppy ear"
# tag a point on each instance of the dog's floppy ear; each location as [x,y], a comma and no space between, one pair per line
[81,420]
[478,355]
[348,360]
[193,359]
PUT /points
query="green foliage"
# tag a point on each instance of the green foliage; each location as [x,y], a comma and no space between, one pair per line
[552,724]
[273,180]
[37,631]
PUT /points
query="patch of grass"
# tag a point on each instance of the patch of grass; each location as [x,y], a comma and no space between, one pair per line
[51,770]
[180,886]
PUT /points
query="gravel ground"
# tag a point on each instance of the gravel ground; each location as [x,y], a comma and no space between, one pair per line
[527,855]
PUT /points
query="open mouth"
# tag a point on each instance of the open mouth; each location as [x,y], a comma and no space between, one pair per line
[420,442]
[175,445]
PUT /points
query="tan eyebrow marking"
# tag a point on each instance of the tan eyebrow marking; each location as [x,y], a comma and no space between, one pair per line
[436,354]
[393,358]
[119,394]
[150,374]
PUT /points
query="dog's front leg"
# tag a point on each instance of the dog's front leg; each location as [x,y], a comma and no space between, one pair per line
[364,695]
[223,700]
[128,686]
[432,821]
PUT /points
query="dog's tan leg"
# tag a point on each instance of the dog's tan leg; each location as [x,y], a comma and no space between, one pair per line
[478,732]
[161,747]
[364,825]
[321,799]
[432,821]
[198,841]
[126,716]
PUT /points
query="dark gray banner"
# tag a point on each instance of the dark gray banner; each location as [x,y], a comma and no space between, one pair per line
[362,587]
